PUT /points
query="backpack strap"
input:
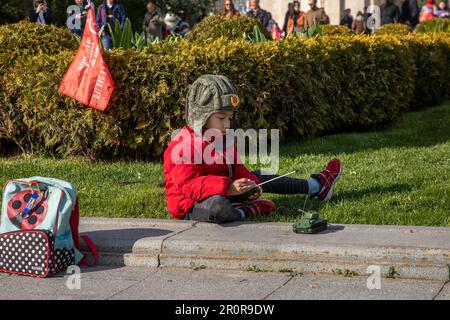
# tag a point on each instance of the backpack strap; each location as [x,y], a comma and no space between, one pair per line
[94,252]
[74,222]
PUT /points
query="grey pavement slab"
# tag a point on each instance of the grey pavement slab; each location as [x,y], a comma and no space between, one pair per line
[110,272]
[3,275]
[100,282]
[414,252]
[417,252]
[27,288]
[445,293]
[327,287]
[132,242]
[204,284]
[139,283]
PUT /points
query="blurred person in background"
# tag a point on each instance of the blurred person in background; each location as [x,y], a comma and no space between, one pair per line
[390,13]
[347,19]
[262,15]
[153,23]
[442,10]
[359,25]
[428,11]
[322,6]
[275,31]
[289,12]
[229,10]
[77,25]
[296,21]
[315,15]
[108,13]
[41,13]
[409,13]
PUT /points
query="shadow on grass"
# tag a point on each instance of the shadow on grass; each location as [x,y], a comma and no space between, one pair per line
[414,129]
[288,205]
[362,193]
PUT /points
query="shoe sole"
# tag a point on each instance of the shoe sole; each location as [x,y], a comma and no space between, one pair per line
[240,206]
[330,192]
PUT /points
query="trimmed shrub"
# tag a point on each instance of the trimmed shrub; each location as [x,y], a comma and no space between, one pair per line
[12,10]
[393,29]
[434,25]
[33,38]
[304,87]
[28,39]
[332,30]
[431,56]
[235,28]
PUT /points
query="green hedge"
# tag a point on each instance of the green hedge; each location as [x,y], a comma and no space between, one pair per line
[432,57]
[393,29]
[235,28]
[304,87]
[330,29]
[12,10]
[26,38]
[434,25]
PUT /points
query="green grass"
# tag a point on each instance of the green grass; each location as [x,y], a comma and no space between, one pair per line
[400,175]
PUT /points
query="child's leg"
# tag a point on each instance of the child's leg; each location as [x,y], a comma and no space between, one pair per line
[288,185]
[216,209]
[319,185]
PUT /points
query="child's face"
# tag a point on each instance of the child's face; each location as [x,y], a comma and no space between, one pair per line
[220,121]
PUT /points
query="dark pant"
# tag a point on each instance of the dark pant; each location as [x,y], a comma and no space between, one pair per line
[107,42]
[218,209]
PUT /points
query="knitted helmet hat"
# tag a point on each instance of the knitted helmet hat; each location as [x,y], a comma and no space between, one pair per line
[207,95]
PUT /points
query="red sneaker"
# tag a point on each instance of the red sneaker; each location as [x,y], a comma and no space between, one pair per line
[328,178]
[259,207]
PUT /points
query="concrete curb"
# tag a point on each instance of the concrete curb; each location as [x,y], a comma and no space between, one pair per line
[413,252]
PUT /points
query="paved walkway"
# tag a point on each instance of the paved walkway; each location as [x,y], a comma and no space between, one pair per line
[408,252]
[137,283]
[166,259]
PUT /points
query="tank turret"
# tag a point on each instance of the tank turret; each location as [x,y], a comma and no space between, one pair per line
[309,223]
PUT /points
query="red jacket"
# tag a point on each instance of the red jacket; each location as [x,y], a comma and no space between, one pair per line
[190,183]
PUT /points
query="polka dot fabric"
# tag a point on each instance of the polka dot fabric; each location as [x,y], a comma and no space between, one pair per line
[63,258]
[25,253]
[31,253]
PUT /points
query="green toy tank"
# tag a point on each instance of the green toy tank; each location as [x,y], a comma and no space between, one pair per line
[310,223]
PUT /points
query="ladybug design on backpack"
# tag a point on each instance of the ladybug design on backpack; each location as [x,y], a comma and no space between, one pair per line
[28,208]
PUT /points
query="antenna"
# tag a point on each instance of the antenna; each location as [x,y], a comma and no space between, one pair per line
[284,175]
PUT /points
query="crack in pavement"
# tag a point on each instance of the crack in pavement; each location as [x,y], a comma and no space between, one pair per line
[440,291]
[119,292]
[284,284]
[168,237]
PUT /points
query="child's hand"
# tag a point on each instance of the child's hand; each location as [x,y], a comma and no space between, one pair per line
[240,186]
[255,195]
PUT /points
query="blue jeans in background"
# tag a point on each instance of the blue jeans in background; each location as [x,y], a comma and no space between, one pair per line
[107,42]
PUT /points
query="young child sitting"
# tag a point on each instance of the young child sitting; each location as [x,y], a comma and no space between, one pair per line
[207,190]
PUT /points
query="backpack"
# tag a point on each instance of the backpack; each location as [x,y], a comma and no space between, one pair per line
[39,228]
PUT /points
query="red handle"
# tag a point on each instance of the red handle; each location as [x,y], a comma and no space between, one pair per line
[94,252]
